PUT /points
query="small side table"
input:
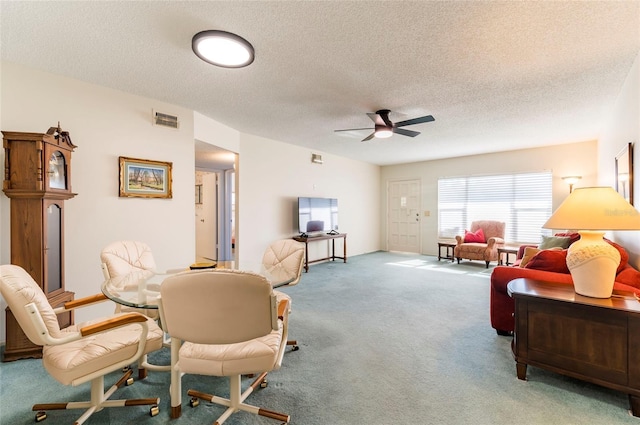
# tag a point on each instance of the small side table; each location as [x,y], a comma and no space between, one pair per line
[448,246]
[506,250]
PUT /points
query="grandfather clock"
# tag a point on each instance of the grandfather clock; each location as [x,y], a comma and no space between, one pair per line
[37,179]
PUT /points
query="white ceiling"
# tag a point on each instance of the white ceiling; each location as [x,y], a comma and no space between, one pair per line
[495,75]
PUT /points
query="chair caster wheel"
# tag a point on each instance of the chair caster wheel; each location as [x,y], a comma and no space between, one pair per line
[129,382]
[194,402]
[295,348]
[41,416]
[264,384]
[154,411]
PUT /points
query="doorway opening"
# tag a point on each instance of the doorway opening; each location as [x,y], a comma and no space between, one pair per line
[215,212]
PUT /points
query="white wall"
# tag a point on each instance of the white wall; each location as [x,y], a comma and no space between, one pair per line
[563,160]
[622,127]
[210,131]
[104,124]
[271,177]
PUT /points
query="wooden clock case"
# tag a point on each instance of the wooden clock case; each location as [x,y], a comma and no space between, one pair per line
[37,179]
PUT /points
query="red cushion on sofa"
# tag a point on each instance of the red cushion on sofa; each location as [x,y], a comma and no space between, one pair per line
[477,236]
[629,276]
[551,260]
[624,256]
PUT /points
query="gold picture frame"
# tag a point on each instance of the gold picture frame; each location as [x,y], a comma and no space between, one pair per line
[624,173]
[143,178]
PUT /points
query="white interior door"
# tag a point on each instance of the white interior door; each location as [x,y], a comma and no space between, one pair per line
[206,219]
[403,216]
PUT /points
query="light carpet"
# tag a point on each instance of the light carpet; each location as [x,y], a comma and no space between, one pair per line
[386,338]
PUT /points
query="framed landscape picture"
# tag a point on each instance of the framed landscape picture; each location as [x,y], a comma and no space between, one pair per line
[624,173]
[143,178]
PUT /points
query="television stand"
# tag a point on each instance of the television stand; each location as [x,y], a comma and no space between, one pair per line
[306,239]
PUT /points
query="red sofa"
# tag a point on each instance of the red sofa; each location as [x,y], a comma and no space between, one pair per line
[502,306]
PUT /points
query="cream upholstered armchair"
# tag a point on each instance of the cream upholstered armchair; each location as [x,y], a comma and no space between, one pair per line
[481,242]
[223,323]
[282,264]
[122,257]
[84,352]
[283,261]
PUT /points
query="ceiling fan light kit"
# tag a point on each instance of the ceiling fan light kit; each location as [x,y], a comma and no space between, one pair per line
[223,49]
[384,127]
[383,132]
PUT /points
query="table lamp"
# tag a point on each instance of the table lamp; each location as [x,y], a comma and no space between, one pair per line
[591,260]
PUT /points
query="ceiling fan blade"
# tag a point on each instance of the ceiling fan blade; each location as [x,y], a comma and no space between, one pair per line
[406,132]
[427,118]
[376,118]
[354,129]
[369,137]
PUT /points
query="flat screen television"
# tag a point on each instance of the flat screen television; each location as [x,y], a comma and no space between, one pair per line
[317,216]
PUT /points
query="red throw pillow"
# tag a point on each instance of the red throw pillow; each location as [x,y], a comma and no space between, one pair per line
[477,236]
[551,260]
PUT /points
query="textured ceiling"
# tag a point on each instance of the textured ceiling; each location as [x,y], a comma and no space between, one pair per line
[495,75]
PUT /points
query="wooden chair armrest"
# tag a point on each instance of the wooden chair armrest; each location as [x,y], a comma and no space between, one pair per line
[81,302]
[283,308]
[113,322]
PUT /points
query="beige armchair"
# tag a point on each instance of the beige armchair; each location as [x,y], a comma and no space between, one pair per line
[486,251]
[122,257]
[282,262]
[80,353]
[223,323]
[119,259]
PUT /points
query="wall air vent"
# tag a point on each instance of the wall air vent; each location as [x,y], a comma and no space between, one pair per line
[165,120]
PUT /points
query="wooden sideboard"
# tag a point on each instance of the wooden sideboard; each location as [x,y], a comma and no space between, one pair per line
[593,339]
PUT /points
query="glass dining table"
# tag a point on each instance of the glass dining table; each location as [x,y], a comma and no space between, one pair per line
[141,288]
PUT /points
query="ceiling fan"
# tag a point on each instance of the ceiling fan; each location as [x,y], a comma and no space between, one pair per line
[385,128]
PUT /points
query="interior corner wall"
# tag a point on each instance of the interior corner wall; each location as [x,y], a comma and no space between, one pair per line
[563,160]
[623,127]
[272,175]
[104,124]
[210,131]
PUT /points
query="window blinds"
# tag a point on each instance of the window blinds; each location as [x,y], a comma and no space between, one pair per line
[523,201]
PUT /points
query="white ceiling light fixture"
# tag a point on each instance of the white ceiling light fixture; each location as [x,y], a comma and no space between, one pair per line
[383,131]
[223,49]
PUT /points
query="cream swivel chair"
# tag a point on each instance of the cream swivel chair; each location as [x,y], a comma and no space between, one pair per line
[123,257]
[84,352]
[223,323]
[282,263]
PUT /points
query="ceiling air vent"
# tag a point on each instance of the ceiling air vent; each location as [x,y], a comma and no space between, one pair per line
[165,120]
